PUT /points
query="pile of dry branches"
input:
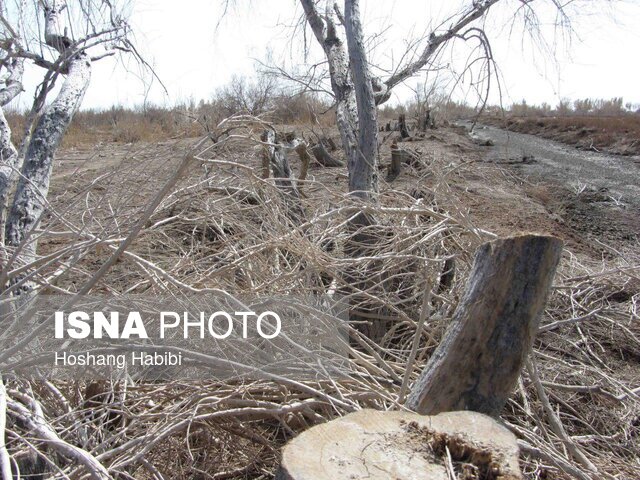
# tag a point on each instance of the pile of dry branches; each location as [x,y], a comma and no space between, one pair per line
[224,227]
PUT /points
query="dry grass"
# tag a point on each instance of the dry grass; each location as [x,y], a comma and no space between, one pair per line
[156,124]
[229,229]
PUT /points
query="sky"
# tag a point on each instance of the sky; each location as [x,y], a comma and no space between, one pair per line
[196,47]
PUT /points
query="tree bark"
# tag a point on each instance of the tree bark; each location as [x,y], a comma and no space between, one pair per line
[33,186]
[10,162]
[477,364]
[363,160]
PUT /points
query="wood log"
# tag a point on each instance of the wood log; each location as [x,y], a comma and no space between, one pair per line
[323,157]
[477,364]
[403,445]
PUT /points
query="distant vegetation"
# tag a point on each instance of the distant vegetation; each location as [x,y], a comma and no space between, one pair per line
[586,106]
[266,97]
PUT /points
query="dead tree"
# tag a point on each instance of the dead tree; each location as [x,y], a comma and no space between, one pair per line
[351,76]
[478,362]
[26,170]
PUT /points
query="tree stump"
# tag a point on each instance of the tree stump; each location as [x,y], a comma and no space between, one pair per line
[477,363]
[274,156]
[329,144]
[395,167]
[376,445]
[402,125]
[305,159]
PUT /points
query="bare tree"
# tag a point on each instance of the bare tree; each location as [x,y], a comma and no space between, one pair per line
[357,90]
[73,37]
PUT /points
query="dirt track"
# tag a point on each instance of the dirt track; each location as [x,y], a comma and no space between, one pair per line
[575,168]
[593,197]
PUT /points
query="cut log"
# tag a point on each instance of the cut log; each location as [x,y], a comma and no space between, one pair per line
[478,362]
[402,445]
[323,157]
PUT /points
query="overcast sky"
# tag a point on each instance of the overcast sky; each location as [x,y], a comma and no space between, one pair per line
[192,57]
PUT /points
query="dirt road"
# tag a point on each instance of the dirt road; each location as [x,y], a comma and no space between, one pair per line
[577,169]
[593,199]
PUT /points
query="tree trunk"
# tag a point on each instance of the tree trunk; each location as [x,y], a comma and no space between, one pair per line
[33,186]
[478,362]
[363,160]
[10,162]
[325,32]
[425,121]
[402,445]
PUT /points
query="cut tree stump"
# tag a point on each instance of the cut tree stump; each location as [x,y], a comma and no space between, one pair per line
[305,159]
[329,144]
[395,167]
[274,155]
[402,125]
[377,445]
[478,362]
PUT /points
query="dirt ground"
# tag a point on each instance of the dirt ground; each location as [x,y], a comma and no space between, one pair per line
[502,192]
